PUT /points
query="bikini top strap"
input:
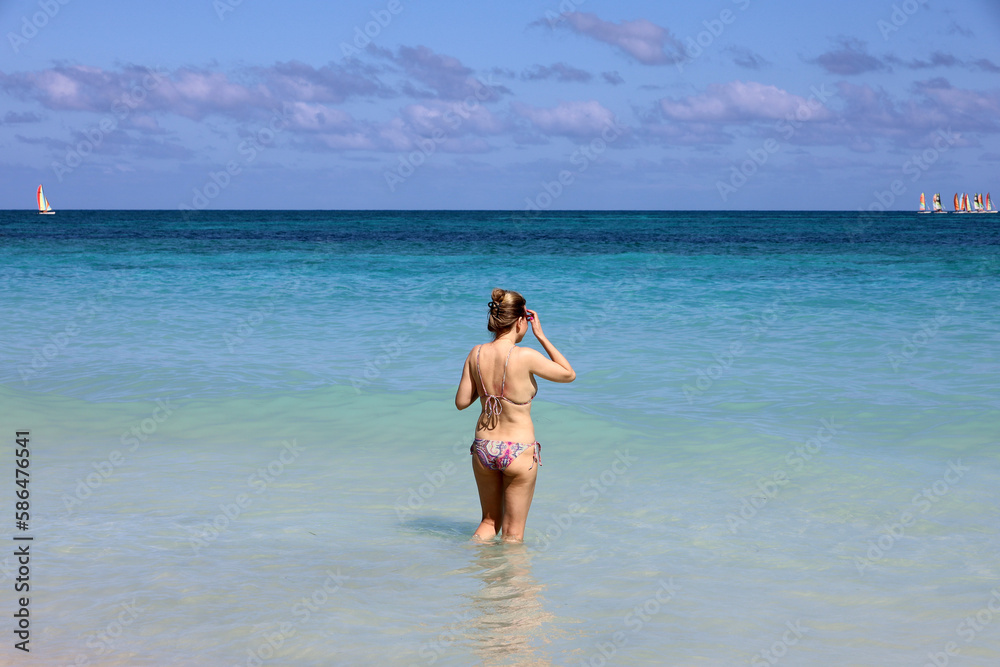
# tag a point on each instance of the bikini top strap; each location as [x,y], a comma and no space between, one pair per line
[503,382]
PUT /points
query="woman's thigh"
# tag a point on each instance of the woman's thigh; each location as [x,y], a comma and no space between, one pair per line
[490,483]
[519,488]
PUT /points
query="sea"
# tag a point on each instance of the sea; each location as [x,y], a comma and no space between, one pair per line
[240,445]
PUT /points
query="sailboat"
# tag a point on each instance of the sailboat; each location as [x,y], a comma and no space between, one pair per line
[43,203]
[989,205]
[923,204]
[938,208]
[962,204]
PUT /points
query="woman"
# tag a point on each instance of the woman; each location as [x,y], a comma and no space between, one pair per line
[502,376]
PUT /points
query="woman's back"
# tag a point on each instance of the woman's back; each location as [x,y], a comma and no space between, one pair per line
[506,389]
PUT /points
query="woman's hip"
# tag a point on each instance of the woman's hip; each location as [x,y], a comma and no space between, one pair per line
[498,454]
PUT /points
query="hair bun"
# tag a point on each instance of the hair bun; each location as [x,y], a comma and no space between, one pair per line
[506,307]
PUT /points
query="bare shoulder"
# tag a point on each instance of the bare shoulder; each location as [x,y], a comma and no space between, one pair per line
[470,359]
[530,355]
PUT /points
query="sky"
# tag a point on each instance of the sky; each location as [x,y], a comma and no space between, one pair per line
[565,104]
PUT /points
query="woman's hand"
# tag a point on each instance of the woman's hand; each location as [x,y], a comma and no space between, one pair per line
[555,368]
[536,325]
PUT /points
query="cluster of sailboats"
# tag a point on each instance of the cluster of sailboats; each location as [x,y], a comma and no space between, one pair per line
[978,204]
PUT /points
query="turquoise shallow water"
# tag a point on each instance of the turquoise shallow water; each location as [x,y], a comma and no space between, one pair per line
[782,439]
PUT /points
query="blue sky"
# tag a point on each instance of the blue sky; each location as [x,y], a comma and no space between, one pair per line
[571,104]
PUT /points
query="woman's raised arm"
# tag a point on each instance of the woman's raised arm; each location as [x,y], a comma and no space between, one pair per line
[554,369]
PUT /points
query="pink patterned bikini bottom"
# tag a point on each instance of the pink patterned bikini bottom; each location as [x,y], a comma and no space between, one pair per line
[498,454]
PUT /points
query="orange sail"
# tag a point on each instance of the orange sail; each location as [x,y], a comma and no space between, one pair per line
[923,204]
[957,207]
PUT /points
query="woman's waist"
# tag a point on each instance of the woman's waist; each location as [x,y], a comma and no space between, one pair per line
[506,435]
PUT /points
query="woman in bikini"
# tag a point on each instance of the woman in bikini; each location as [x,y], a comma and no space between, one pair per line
[505,455]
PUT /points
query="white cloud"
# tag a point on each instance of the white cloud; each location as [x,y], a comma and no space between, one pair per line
[647,42]
[575,119]
[740,101]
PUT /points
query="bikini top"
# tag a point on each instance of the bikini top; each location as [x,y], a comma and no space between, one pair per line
[493,407]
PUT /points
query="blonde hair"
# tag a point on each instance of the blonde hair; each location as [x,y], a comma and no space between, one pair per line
[505,309]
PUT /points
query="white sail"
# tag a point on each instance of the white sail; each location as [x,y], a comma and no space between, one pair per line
[43,203]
